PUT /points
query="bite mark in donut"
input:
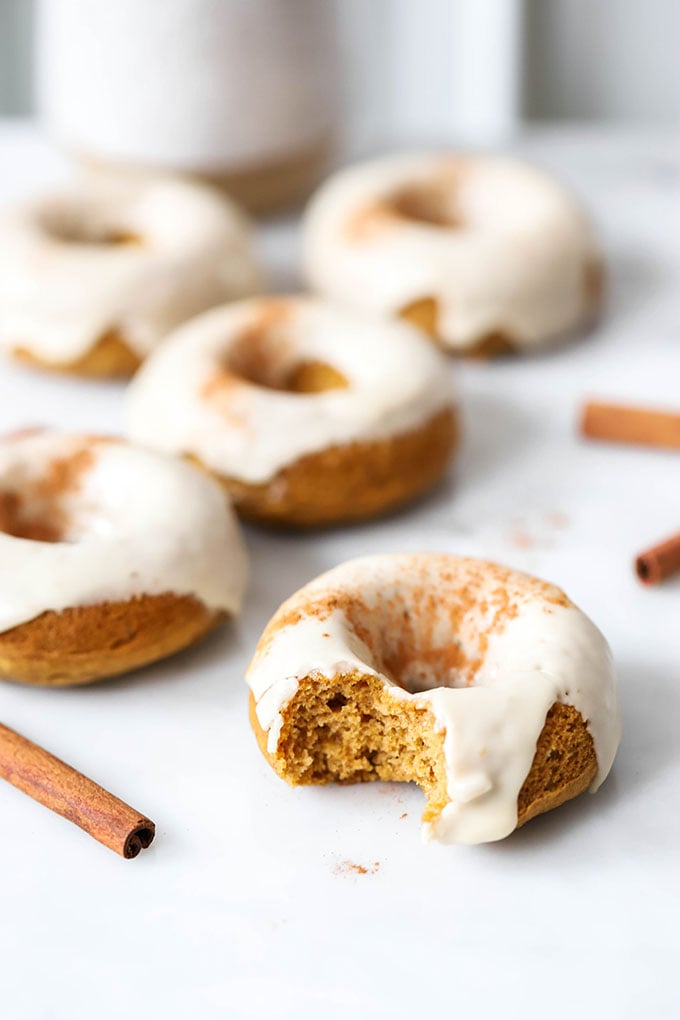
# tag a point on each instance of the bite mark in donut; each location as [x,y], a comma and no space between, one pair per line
[487,687]
[346,731]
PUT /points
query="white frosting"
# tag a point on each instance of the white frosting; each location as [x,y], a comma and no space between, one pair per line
[136,523]
[208,85]
[396,382]
[58,297]
[522,647]
[516,263]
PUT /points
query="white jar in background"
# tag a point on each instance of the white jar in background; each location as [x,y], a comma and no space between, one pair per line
[242,92]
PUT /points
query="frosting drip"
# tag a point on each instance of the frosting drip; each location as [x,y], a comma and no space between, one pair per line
[486,649]
[227,372]
[85,520]
[497,244]
[137,259]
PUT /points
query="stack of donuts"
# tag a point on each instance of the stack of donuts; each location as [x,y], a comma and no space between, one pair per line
[487,687]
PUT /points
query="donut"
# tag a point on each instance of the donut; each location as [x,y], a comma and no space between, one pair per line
[308,414]
[111,557]
[486,254]
[486,687]
[92,279]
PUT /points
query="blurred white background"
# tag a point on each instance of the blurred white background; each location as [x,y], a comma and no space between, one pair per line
[472,69]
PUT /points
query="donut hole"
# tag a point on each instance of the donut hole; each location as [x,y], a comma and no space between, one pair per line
[269,359]
[67,226]
[105,238]
[304,377]
[35,506]
[20,520]
[415,643]
[434,203]
[416,667]
[315,377]
[349,729]
[422,313]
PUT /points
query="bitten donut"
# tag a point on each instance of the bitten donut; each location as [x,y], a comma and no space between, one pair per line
[308,414]
[111,557]
[487,254]
[487,687]
[92,279]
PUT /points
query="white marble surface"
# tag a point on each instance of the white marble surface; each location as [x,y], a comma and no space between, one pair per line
[245,906]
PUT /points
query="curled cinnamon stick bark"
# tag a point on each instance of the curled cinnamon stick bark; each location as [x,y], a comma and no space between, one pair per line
[659,562]
[60,788]
[620,424]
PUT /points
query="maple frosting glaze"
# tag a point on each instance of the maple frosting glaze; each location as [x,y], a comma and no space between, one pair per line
[486,649]
[216,388]
[85,520]
[500,246]
[134,258]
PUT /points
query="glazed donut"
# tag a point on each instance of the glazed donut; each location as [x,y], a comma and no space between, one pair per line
[308,414]
[486,254]
[485,686]
[111,557]
[91,280]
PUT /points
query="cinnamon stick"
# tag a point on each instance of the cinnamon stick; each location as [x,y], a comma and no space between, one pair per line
[60,788]
[618,423]
[659,562]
